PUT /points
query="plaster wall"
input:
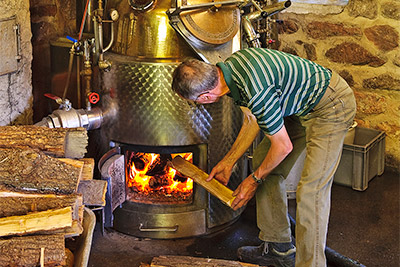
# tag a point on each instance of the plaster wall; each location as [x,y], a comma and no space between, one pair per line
[15,84]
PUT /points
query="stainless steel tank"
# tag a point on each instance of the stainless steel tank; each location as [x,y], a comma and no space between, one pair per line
[139,107]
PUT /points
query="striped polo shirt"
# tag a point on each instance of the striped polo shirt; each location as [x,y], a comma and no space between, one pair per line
[274,84]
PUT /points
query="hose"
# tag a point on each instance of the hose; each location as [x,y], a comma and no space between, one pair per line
[83,20]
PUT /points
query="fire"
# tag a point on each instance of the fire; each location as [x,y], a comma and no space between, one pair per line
[149,172]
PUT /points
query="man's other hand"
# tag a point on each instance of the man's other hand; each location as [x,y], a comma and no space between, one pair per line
[222,172]
[244,192]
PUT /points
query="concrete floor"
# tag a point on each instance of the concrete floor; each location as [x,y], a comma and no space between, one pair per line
[364,226]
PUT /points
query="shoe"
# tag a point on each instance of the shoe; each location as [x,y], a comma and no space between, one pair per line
[267,254]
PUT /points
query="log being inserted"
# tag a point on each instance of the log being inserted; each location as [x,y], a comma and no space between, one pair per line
[214,187]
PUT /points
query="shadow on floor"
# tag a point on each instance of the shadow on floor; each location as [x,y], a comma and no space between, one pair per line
[364,226]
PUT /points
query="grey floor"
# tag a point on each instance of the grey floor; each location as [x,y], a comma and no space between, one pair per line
[364,226]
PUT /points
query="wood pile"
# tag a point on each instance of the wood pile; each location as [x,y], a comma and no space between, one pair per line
[41,202]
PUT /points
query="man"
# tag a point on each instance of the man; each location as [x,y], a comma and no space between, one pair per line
[269,86]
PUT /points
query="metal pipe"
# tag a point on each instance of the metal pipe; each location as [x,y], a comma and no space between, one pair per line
[87,73]
[251,35]
[78,82]
[71,61]
[72,118]
[112,38]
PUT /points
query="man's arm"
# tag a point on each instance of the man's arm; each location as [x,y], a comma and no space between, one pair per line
[222,171]
[280,147]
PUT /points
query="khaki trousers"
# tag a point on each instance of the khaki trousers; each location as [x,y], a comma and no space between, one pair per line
[321,132]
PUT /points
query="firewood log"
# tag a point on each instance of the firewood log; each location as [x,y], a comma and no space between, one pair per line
[93,192]
[214,187]
[18,204]
[88,168]
[185,261]
[30,170]
[57,142]
[36,221]
[26,250]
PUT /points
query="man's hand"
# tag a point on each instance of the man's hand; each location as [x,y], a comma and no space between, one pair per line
[244,192]
[222,172]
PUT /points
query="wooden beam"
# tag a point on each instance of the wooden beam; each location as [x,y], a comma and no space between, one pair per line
[214,187]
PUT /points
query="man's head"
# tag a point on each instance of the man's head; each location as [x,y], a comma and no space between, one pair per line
[194,79]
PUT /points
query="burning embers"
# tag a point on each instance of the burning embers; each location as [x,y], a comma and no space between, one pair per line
[151,180]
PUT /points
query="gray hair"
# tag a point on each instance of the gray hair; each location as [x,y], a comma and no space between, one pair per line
[193,78]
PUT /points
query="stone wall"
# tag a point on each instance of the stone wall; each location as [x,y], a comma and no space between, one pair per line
[15,82]
[360,41]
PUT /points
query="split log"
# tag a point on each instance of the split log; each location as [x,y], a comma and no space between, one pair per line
[76,229]
[26,250]
[93,192]
[19,204]
[88,168]
[185,261]
[57,142]
[214,187]
[36,221]
[29,170]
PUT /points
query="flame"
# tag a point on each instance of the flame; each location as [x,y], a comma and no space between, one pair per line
[147,173]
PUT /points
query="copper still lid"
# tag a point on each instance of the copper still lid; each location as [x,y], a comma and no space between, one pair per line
[143,30]
[213,25]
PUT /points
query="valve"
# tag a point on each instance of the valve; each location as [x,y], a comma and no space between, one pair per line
[65,104]
[93,98]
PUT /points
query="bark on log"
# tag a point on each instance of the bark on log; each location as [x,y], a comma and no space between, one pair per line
[19,204]
[29,170]
[57,142]
[185,261]
[25,250]
[214,187]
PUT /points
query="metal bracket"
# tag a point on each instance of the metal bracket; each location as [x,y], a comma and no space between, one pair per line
[18,56]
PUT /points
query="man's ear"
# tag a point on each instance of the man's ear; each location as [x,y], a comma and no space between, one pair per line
[204,96]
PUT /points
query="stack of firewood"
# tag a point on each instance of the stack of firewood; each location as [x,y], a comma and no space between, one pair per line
[41,197]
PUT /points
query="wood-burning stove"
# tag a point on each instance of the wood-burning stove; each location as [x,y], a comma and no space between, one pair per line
[154,210]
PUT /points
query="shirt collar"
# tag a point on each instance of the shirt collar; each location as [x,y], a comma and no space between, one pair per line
[234,91]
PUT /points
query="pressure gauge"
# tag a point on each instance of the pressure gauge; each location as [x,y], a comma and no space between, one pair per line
[114,15]
[141,5]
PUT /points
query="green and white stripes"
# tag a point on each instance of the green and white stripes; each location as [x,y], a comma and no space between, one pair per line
[274,84]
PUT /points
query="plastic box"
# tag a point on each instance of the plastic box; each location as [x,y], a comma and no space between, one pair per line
[362,160]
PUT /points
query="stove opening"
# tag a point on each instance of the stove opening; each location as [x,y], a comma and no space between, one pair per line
[151,180]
